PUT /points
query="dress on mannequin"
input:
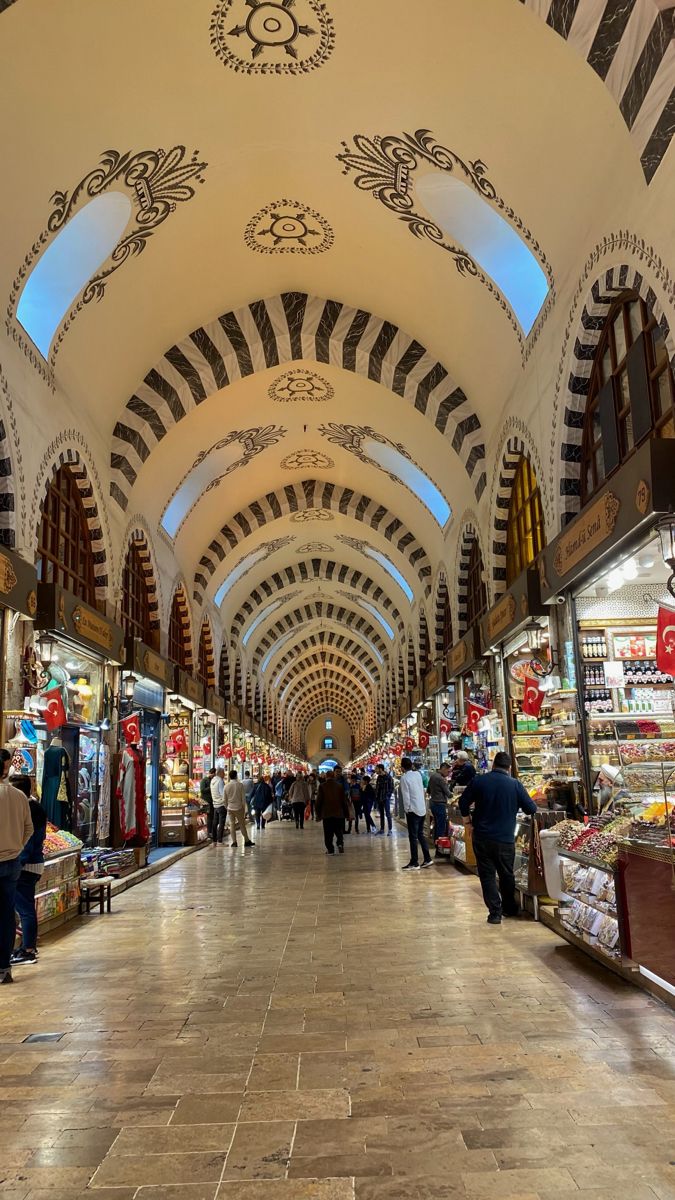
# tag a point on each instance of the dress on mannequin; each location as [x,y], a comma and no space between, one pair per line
[55,793]
[131,795]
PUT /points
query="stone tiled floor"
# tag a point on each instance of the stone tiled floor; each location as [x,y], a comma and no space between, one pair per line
[278,1025]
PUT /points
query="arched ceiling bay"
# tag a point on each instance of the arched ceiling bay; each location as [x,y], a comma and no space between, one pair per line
[294,362]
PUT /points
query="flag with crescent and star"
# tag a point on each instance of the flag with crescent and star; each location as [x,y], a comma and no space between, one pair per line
[665,640]
[474,713]
[532,700]
[131,729]
[52,709]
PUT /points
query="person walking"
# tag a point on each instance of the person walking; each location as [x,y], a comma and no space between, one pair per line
[350,814]
[313,785]
[496,799]
[299,798]
[249,785]
[32,865]
[355,803]
[235,802]
[384,790]
[331,808]
[367,802]
[415,808]
[16,827]
[261,799]
[439,794]
[205,797]
[219,807]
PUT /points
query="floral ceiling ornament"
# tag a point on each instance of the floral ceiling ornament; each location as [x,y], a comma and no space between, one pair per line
[302,460]
[355,543]
[312,514]
[300,384]
[252,441]
[276,544]
[385,167]
[352,437]
[260,37]
[157,180]
[315,548]
[288,227]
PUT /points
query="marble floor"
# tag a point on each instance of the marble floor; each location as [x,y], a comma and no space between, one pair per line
[273,1024]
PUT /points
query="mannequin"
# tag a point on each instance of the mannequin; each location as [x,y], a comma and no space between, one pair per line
[56,795]
[131,795]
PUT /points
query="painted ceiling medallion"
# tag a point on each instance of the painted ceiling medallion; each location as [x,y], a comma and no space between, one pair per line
[315,548]
[355,543]
[288,227]
[258,37]
[312,514]
[302,460]
[156,180]
[386,167]
[300,384]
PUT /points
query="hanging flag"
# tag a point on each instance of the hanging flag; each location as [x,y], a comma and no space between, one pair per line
[665,640]
[423,739]
[409,743]
[131,729]
[444,725]
[52,710]
[226,750]
[397,749]
[474,713]
[532,700]
[242,754]
[179,740]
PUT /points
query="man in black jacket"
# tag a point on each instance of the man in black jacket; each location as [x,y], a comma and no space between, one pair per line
[496,799]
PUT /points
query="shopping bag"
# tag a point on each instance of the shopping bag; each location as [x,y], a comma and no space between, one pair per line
[308,812]
[270,813]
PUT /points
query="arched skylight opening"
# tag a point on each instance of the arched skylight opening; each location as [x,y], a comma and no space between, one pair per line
[395,463]
[495,245]
[378,617]
[68,263]
[236,574]
[261,617]
[391,570]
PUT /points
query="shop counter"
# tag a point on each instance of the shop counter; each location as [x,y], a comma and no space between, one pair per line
[647,888]
[57,895]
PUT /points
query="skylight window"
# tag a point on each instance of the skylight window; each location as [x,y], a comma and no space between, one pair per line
[68,263]
[409,473]
[391,570]
[213,464]
[235,575]
[265,613]
[378,617]
[496,246]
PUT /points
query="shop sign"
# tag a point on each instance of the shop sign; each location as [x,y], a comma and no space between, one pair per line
[144,661]
[188,687]
[214,702]
[18,583]
[643,497]
[500,617]
[432,681]
[586,534]
[403,708]
[416,697]
[64,613]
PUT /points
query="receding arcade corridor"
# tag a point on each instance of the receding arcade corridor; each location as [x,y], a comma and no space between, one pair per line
[277,1025]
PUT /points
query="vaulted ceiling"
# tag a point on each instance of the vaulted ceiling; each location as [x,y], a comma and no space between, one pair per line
[292,364]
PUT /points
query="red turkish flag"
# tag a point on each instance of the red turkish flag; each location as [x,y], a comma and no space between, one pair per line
[242,754]
[409,743]
[52,710]
[474,712]
[131,729]
[665,640]
[444,725]
[226,750]
[179,740]
[532,700]
[398,749]
[423,740]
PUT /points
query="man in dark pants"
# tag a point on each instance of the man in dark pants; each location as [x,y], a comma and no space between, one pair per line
[439,794]
[496,799]
[205,797]
[331,808]
[384,790]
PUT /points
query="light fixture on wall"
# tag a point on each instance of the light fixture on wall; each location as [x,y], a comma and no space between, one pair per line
[129,685]
[45,648]
[543,658]
[666,528]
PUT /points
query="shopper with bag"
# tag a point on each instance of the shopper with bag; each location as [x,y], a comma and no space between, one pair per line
[262,800]
[32,866]
[219,807]
[16,828]
[235,800]
[331,808]
[415,807]
[299,798]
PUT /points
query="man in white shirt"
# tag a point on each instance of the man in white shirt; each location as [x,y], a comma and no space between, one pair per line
[219,807]
[235,799]
[415,806]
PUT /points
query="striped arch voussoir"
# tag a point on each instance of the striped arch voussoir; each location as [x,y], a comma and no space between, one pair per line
[315,611]
[300,497]
[438,644]
[180,596]
[72,459]
[468,536]
[604,292]
[140,541]
[339,642]
[288,328]
[206,632]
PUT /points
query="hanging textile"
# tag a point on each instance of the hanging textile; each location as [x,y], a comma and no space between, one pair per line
[55,791]
[131,795]
[103,831]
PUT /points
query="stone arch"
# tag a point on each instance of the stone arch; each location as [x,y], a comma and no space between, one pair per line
[441,601]
[615,38]
[311,495]
[287,328]
[311,661]
[138,534]
[206,633]
[425,649]
[316,611]
[469,534]
[62,452]
[583,330]
[514,445]
[309,569]
[347,645]
[12,479]
[179,593]
[224,678]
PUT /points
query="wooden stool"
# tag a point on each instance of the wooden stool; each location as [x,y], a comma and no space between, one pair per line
[97,890]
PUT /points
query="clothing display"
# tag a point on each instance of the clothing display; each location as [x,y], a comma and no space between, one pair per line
[131,795]
[56,793]
[103,829]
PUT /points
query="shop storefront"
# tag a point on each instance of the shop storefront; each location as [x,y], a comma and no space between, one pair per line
[18,604]
[148,677]
[478,713]
[180,820]
[614,565]
[67,727]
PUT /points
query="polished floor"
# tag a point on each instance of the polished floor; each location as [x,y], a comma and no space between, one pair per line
[273,1024]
